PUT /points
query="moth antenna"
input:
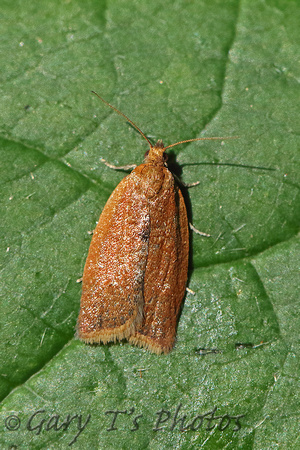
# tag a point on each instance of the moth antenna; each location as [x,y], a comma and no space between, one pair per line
[202,139]
[127,118]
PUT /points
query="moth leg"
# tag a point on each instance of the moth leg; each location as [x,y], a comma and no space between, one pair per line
[186,185]
[189,291]
[112,166]
[197,231]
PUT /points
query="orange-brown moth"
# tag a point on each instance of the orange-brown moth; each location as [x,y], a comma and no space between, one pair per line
[135,275]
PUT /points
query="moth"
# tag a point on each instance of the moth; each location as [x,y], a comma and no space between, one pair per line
[135,275]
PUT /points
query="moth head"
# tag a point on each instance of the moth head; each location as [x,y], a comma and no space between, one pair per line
[156,153]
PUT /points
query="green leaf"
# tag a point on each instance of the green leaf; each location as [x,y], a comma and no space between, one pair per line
[179,70]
